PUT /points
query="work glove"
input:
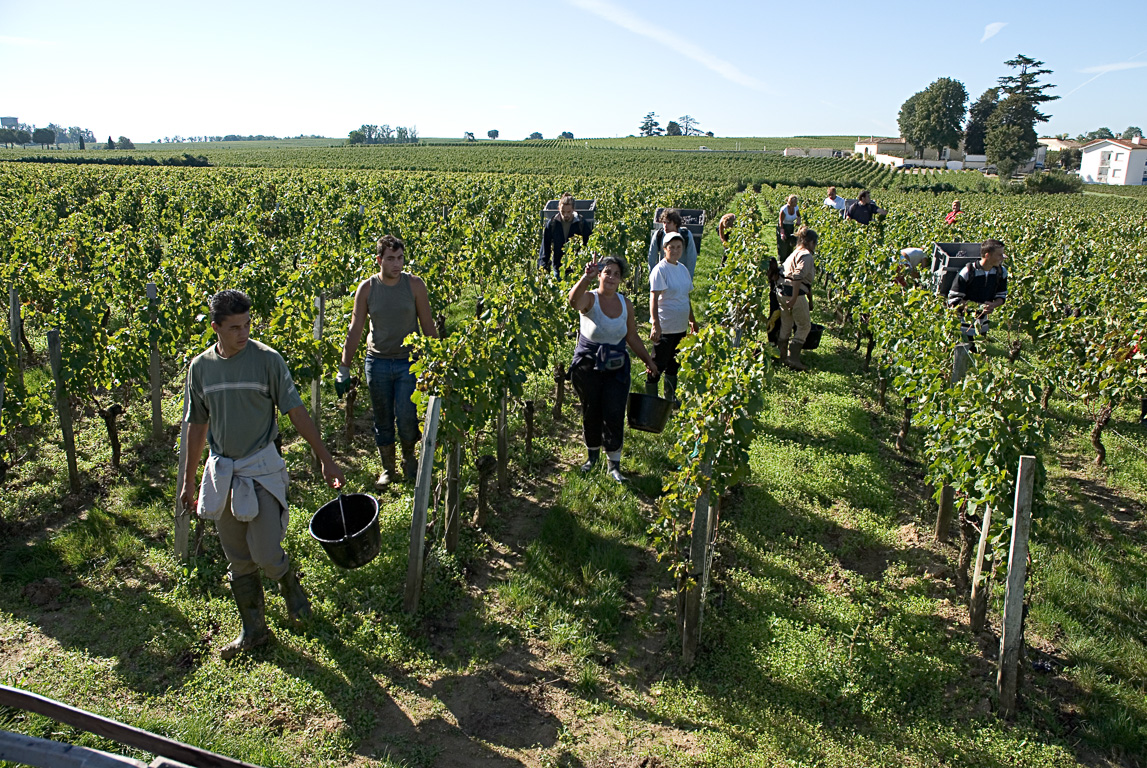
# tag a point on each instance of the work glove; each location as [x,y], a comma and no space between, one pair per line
[342,381]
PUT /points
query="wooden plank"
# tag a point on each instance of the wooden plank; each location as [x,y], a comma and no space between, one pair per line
[453,496]
[317,381]
[29,750]
[1012,637]
[182,514]
[14,321]
[961,360]
[116,731]
[503,449]
[64,408]
[421,502]
[154,369]
[698,543]
[977,605]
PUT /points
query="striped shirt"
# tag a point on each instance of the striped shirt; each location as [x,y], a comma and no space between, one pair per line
[975,284]
[237,396]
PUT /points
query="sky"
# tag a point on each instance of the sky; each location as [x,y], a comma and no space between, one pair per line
[591,67]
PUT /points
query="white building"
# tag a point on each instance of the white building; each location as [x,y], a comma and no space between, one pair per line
[1115,161]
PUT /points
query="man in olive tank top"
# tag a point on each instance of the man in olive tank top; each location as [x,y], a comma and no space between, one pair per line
[397,304]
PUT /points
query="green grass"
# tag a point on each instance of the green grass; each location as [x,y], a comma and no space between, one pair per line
[833,635]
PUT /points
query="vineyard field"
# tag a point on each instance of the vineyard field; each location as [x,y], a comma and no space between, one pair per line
[836,631]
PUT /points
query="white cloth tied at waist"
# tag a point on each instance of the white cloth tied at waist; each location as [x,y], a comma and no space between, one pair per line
[237,477]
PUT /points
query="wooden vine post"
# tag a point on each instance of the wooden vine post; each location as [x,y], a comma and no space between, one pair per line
[14,321]
[695,579]
[981,577]
[503,449]
[317,381]
[559,390]
[154,370]
[55,355]
[422,489]
[1012,636]
[960,362]
[453,495]
[182,514]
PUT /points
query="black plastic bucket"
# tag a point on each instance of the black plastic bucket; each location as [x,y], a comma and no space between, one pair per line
[648,413]
[348,529]
[812,341]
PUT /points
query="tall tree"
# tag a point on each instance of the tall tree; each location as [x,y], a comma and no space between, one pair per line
[111,144]
[940,114]
[565,135]
[977,128]
[1131,132]
[124,143]
[673,129]
[7,137]
[535,135]
[689,126]
[1012,138]
[906,121]
[493,133]
[44,137]
[23,136]
[649,125]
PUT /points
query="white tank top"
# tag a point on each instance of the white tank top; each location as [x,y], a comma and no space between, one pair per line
[597,327]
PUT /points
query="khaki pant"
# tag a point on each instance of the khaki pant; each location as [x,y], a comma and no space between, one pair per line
[257,544]
[798,316]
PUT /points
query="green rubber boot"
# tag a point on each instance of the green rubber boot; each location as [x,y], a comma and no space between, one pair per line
[298,606]
[248,594]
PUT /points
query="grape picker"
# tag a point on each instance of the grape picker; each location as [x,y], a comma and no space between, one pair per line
[233,389]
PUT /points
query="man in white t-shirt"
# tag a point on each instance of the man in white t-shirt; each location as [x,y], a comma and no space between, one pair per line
[833,200]
[670,314]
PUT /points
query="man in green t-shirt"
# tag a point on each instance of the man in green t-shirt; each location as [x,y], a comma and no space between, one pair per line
[233,390]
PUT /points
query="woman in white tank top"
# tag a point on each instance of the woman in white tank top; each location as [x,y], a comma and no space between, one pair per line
[600,368]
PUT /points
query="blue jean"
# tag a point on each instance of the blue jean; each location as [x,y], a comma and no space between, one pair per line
[391,385]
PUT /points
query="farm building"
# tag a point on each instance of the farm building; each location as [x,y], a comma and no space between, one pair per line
[1115,161]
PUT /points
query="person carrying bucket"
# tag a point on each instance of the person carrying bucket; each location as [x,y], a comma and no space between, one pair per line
[232,392]
[397,304]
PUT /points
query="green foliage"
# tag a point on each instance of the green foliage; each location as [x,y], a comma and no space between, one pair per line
[1052,182]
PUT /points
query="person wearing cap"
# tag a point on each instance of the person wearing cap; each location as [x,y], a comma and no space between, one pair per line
[559,230]
[670,315]
[671,221]
[724,227]
[600,367]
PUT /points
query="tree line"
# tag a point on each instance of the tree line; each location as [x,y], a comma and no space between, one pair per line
[383,134]
[1000,124]
[686,125]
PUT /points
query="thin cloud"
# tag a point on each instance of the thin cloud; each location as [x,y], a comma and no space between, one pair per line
[1105,68]
[639,26]
[992,30]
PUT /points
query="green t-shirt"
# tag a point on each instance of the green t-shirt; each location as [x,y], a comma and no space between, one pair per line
[237,397]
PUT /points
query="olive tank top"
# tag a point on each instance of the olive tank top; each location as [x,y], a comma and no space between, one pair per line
[393,317]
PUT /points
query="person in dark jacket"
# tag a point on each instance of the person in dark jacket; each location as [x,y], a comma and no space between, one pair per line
[558,231]
[983,282]
[864,209]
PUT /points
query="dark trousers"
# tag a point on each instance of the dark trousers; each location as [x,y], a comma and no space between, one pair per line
[604,395]
[665,356]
